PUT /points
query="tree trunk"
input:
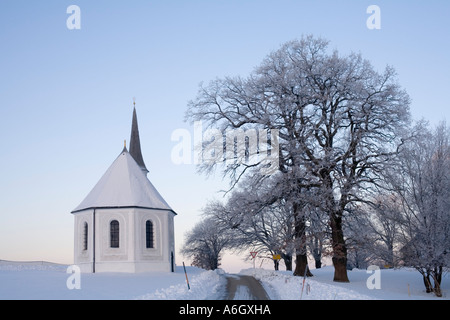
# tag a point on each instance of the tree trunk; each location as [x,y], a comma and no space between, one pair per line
[316,250]
[318,264]
[288,262]
[301,265]
[427,282]
[317,254]
[276,264]
[437,288]
[301,259]
[339,248]
[391,259]
[436,274]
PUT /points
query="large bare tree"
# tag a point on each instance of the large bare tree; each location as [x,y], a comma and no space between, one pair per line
[338,122]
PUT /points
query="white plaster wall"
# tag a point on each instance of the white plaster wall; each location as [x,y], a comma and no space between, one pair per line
[132,254]
[83,258]
[157,218]
[103,251]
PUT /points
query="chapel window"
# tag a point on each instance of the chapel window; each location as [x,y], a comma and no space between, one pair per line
[114,233]
[149,234]
[85,236]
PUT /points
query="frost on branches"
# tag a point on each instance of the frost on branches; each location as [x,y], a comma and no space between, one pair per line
[339,122]
[423,184]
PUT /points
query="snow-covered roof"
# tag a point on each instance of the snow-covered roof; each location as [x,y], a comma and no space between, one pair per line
[124,184]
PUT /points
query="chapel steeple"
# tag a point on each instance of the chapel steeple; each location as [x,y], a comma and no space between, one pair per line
[124,224]
[135,143]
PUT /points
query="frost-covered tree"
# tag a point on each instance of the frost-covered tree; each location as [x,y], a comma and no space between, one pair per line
[205,243]
[384,226]
[338,121]
[258,219]
[317,235]
[374,230]
[422,180]
[359,240]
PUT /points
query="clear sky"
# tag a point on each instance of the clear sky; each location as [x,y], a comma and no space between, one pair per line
[66,95]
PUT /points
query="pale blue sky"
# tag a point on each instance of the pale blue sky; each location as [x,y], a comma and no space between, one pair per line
[66,95]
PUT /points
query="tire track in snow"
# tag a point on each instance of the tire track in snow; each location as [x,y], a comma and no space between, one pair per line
[240,287]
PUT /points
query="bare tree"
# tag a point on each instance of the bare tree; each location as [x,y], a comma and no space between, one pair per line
[258,219]
[338,122]
[423,183]
[317,235]
[205,244]
[375,230]
[359,240]
[384,224]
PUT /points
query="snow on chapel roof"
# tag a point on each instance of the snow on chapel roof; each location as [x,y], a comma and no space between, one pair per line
[124,184]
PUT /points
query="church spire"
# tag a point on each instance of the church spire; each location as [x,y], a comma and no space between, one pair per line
[135,143]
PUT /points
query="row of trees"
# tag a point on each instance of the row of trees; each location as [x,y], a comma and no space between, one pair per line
[407,222]
[350,170]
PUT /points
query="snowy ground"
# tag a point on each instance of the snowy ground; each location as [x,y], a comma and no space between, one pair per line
[395,283]
[38,280]
[48,281]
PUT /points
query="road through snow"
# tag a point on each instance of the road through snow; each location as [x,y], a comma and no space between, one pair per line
[240,287]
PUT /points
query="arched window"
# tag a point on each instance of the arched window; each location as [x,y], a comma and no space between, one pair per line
[85,236]
[114,233]
[149,234]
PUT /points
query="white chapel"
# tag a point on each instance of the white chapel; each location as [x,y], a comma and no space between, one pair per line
[124,224]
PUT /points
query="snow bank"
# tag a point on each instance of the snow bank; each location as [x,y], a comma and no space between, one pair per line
[284,286]
[6,265]
[42,280]
[396,284]
[208,285]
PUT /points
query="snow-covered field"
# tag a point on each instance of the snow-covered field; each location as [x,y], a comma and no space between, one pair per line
[396,284]
[43,280]
[40,280]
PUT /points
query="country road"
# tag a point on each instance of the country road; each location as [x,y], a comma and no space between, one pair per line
[241,287]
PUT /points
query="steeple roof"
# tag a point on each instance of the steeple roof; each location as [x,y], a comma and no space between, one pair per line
[135,143]
[124,184]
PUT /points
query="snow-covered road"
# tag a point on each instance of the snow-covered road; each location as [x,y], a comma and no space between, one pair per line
[241,287]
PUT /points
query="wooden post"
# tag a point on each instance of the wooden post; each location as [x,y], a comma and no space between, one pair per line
[185,273]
